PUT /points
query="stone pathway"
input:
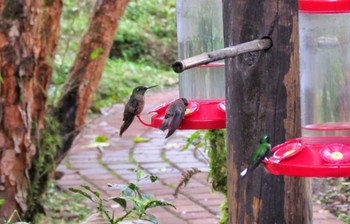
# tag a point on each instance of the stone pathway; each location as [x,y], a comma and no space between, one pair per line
[196,204]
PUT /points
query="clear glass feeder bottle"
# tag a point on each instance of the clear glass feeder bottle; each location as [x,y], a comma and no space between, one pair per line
[324,30]
[199,30]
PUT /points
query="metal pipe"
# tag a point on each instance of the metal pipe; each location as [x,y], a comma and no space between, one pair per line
[228,52]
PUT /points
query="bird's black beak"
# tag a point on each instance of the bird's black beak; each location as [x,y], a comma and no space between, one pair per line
[152,87]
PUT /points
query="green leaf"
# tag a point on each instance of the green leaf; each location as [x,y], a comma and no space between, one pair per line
[140,174]
[101,138]
[97,52]
[141,139]
[121,201]
[148,196]
[151,218]
[81,193]
[2,201]
[97,194]
[133,187]
[157,203]
[97,144]
[153,178]
[195,135]
[128,192]
[140,207]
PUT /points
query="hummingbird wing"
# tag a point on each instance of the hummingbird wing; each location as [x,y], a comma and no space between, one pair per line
[131,109]
[176,121]
[169,115]
[258,156]
[166,122]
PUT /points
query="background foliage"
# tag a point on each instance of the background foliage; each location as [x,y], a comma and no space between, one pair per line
[144,47]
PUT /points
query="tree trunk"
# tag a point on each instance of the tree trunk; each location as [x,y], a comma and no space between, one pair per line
[262,97]
[28,39]
[87,70]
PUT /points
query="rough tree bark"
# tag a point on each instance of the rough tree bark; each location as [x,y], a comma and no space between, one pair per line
[262,97]
[28,39]
[87,70]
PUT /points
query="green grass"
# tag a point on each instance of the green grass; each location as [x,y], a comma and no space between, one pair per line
[120,77]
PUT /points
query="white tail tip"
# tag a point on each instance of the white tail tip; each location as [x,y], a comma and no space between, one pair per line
[244,172]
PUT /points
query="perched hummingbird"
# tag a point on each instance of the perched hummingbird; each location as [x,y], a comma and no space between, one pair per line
[174,115]
[259,155]
[133,107]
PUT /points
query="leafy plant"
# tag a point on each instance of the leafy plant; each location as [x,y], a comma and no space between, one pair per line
[215,146]
[131,199]
[144,47]
[196,139]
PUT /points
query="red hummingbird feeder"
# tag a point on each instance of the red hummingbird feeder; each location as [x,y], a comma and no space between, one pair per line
[199,115]
[311,157]
[203,85]
[324,148]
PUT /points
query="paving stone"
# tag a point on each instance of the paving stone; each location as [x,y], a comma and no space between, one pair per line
[204,221]
[202,215]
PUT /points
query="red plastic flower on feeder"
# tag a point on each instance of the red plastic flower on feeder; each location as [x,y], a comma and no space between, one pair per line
[335,153]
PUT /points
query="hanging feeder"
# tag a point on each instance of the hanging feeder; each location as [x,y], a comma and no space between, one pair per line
[324,149]
[202,75]
[206,113]
[203,85]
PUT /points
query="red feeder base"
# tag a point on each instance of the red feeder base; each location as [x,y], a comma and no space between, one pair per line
[200,114]
[311,157]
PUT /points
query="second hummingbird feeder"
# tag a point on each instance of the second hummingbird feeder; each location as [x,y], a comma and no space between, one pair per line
[324,148]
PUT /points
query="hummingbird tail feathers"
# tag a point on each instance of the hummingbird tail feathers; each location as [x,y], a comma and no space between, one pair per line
[244,172]
[126,125]
[165,124]
[176,121]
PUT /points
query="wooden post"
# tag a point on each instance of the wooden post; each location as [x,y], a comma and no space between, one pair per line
[262,97]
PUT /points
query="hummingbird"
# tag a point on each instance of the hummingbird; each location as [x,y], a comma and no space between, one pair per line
[174,115]
[134,106]
[259,155]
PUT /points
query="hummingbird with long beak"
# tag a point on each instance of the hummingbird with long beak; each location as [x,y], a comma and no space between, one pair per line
[174,115]
[259,155]
[134,107]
